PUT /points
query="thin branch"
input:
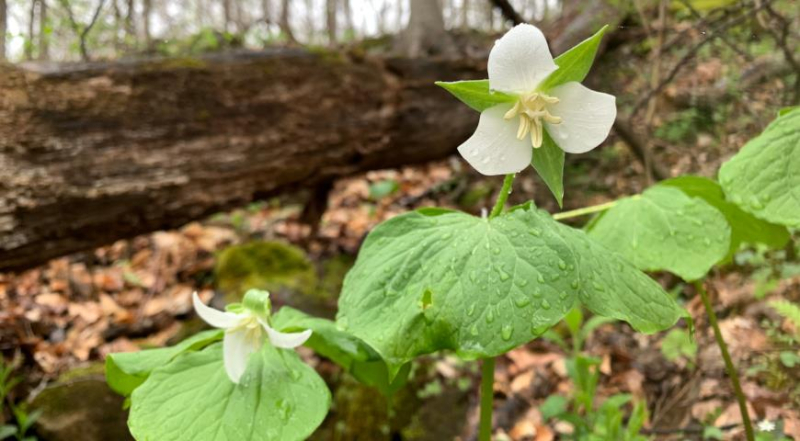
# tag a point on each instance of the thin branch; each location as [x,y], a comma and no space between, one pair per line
[691,54]
[82,31]
[724,37]
[508,11]
[782,40]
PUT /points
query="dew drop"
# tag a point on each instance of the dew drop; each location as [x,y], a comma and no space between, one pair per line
[535,232]
[545,304]
[490,316]
[473,331]
[562,265]
[522,301]
[598,287]
[496,251]
[563,295]
[471,310]
[503,275]
[485,160]
[537,294]
[575,284]
[521,282]
[540,278]
[506,332]
[707,241]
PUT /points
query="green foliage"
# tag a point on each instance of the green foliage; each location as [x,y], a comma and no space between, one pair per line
[347,351]
[125,371]
[605,422]
[788,310]
[23,417]
[745,228]
[764,177]
[279,398]
[665,229]
[381,189]
[685,125]
[476,94]
[574,64]
[264,265]
[679,344]
[436,279]
[548,160]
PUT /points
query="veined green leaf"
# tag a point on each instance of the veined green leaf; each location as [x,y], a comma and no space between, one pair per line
[574,64]
[764,177]
[342,348]
[745,228]
[125,371]
[425,282]
[279,398]
[665,229]
[476,93]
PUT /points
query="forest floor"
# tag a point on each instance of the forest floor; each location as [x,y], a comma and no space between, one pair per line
[136,293]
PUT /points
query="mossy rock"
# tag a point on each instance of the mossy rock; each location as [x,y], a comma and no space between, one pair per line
[264,265]
[80,406]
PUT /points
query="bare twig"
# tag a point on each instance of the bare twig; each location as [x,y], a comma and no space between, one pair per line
[82,31]
[638,147]
[782,40]
[691,54]
[508,11]
[723,37]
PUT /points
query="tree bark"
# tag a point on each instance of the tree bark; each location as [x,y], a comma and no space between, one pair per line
[93,153]
[284,24]
[44,39]
[3,28]
[425,33]
[330,20]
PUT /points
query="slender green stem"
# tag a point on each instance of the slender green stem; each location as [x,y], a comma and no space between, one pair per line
[729,367]
[503,196]
[487,395]
[584,211]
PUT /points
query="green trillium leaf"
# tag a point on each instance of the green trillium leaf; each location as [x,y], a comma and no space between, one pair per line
[665,229]
[279,398]
[745,228]
[342,348]
[764,177]
[548,160]
[125,371]
[476,94]
[574,64]
[434,280]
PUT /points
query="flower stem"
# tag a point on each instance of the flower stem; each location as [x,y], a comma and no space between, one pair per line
[729,367]
[487,395]
[584,211]
[503,196]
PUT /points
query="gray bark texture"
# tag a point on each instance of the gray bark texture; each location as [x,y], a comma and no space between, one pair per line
[93,153]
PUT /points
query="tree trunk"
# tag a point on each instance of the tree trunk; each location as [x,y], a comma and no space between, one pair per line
[98,152]
[284,22]
[3,28]
[465,15]
[147,6]
[330,20]
[425,34]
[44,39]
[31,30]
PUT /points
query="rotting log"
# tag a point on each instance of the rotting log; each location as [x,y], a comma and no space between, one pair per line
[92,153]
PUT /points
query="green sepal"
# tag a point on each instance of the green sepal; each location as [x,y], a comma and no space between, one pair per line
[125,371]
[574,64]
[476,93]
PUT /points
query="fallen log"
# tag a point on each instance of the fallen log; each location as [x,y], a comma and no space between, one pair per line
[92,153]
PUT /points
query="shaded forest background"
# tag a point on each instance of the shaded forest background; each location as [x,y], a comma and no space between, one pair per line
[149,148]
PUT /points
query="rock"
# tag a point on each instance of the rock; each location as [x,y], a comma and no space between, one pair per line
[80,406]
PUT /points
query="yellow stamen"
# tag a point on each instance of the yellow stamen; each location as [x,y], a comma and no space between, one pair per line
[532,110]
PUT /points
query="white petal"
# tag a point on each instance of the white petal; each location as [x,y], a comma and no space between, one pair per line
[236,351]
[284,340]
[586,117]
[215,318]
[494,148]
[520,60]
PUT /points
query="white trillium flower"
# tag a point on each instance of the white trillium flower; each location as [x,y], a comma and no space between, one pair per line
[766,426]
[245,332]
[576,117]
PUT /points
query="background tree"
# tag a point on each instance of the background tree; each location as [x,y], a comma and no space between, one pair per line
[425,33]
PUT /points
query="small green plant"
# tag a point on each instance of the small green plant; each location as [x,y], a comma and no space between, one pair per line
[23,418]
[590,422]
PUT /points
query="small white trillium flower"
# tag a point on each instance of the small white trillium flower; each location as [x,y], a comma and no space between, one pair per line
[766,426]
[576,117]
[245,331]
